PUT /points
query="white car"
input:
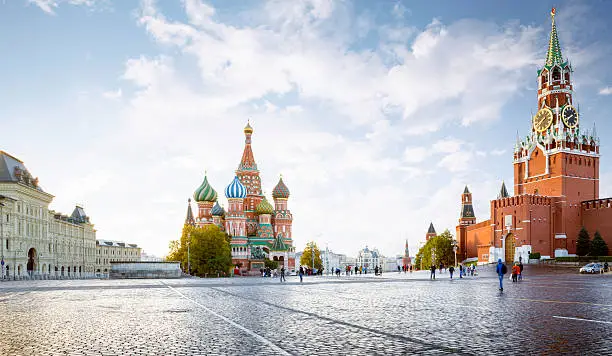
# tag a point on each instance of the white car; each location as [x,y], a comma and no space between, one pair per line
[591,268]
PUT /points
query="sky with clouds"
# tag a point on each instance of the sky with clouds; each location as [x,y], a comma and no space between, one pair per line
[376,113]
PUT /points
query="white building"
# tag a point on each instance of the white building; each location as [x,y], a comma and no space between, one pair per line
[114,251]
[330,260]
[369,259]
[35,242]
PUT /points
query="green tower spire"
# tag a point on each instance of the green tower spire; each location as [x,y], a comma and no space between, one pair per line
[553,56]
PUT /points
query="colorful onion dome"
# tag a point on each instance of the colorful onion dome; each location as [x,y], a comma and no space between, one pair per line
[235,190]
[248,129]
[281,190]
[205,192]
[217,210]
[264,207]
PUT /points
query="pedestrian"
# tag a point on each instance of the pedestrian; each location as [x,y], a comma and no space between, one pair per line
[516,270]
[605,266]
[501,269]
[433,272]
[441,265]
[520,276]
[282,276]
[410,268]
[301,273]
[451,269]
[460,271]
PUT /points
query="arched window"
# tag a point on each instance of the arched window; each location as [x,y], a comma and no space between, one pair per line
[544,78]
[556,74]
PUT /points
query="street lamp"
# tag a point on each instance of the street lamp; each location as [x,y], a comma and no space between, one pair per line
[312,252]
[188,257]
[455,250]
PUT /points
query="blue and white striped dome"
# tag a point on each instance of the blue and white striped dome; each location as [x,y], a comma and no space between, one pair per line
[235,190]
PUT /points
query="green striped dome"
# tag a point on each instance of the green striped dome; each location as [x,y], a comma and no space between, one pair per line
[205,192]
[264,207]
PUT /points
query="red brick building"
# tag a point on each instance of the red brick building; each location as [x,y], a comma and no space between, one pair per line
[556,181]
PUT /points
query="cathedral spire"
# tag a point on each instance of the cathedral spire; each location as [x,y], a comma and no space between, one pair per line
[189,220]
[553,56]
[247,163]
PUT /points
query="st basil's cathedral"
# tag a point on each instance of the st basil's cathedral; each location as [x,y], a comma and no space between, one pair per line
[556,181]
[257,229]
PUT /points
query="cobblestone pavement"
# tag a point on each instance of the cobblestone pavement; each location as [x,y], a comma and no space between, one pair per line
[552,311]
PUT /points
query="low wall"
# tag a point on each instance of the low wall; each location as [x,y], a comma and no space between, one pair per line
[145,270]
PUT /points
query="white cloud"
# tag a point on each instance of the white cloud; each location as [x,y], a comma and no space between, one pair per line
[399,10]
[49,6]
[457,161]
[113,94]
[605,91]
[448,145]
[415,154]
[498,152]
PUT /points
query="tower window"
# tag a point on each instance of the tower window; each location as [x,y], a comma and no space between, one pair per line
[556,74]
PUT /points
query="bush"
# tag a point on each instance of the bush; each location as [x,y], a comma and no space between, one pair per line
[534,256]
[598,246]
[585,259]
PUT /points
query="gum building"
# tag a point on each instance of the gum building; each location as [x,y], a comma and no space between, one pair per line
[556,180]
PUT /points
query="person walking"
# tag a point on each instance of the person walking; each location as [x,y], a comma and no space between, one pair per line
[501,269]
[451,269]
[516,270]
[460,271]
[520,276]
[301,273]
[282,275]
[433,272]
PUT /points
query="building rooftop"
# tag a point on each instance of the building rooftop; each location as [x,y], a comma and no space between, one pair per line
[110,243]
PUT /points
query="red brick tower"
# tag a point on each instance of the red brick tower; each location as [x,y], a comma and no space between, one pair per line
[431,232]
[466,218]
[558,159]
[248,174]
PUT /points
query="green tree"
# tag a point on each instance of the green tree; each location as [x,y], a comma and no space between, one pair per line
[209,250]
[271,264]
[598,246]
[583,244]
[306,259]
[440,248]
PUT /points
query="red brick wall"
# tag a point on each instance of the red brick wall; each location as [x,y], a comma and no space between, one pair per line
[597,215]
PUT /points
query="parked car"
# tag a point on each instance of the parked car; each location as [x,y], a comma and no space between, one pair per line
[591,268]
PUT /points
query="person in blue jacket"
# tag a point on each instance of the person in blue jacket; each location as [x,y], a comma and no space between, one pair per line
[501,269]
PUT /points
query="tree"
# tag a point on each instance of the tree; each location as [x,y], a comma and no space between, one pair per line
[440,248]
[306,259]
[598,246]
[271,264]
[583,243]
[209,250]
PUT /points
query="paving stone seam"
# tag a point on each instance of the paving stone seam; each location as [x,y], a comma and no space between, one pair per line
[456,351]
[277,348]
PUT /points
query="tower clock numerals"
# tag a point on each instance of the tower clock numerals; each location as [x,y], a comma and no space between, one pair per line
[570,116]
[542,120]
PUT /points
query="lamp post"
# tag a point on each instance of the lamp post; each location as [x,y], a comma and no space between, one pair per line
[312,252]
[327,259]
[188,257]
[455,250]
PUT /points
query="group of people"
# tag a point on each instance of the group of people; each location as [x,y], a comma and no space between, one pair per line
[404,268]
[501,270]
[463,270]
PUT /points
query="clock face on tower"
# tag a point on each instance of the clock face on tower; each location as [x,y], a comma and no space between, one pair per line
[570,116]
[542,120]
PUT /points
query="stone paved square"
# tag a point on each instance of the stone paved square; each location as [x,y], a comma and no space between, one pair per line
[552,311]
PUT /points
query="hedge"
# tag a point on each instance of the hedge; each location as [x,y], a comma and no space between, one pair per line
[585,259]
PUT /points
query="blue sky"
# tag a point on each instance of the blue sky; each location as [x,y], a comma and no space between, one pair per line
[377,113]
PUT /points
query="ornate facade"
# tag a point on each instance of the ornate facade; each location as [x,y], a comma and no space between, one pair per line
[36,242]
[258,230]
[556,180]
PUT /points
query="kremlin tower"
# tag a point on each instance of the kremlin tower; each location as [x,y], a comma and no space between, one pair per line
[258,230]
[556,180]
